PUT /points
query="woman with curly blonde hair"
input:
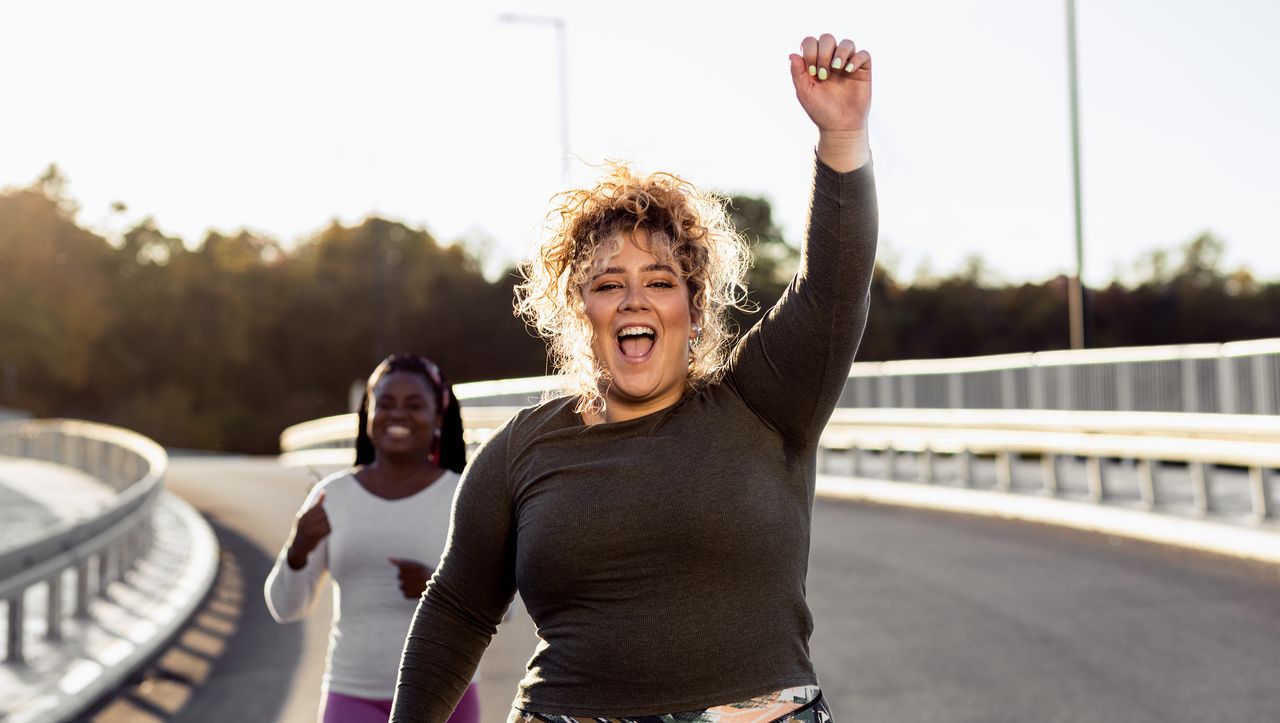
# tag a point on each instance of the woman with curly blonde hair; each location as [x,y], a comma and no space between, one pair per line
[659,214]
[656,519]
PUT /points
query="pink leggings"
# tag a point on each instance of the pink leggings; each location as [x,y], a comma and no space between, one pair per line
[339,708]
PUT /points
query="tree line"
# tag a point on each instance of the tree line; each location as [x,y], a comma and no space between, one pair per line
[221,345]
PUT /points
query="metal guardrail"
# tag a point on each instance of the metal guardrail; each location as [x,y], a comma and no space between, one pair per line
[1199,442]
[1153,441]
[1201,407]
[1240,377]
[1235,378]
[1244,427]
[100,549]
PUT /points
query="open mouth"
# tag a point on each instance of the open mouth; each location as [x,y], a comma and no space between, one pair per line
[636,340]
[397,431]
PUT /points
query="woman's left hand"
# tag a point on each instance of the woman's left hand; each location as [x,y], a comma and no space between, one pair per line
[838,100]
[413,576]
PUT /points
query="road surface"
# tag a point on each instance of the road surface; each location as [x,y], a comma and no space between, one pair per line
[919,617]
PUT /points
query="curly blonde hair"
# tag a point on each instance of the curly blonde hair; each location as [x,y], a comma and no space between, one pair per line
[588,226]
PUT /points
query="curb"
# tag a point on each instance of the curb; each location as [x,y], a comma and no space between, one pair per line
[1215,537]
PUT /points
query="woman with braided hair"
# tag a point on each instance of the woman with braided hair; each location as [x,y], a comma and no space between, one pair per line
[656,519]
[378,530]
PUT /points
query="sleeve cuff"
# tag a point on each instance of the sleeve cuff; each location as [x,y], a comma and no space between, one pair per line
[825,171]
[841,188]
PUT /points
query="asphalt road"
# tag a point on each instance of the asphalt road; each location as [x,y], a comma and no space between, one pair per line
[933,617]
[920,617]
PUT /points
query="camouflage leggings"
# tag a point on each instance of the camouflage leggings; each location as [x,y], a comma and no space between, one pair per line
[777,707]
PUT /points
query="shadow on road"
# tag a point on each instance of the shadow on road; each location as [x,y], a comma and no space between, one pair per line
[232,662]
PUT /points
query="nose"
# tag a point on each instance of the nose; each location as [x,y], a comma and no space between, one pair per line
[635,299]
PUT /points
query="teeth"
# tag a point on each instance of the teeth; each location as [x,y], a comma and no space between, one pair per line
[636,331]
[397,430]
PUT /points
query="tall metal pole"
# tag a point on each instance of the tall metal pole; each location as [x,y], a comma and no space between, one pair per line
[562,59]
[562,35]
[1075,286]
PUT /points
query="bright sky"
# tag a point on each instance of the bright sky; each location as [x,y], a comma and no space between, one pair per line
[279,116]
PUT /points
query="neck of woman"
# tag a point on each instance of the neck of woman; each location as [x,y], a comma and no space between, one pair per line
[615,411]
[389,477]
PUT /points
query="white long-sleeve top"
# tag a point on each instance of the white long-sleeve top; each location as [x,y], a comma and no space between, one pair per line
[370,614]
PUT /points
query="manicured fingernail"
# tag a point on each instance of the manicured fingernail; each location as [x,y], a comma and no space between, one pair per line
[836,63]
[813,70]
[822,73]
[849,68]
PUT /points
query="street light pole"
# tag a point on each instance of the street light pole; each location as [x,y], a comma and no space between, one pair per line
[1075,284]
[562,57]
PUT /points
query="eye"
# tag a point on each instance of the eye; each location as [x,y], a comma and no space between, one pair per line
[662,284]
[608,286]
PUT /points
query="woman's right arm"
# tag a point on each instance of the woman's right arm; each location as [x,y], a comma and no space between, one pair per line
[463,604]
[302,564]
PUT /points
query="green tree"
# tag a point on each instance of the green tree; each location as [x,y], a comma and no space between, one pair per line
[221,345]
[774,261]
[53,296]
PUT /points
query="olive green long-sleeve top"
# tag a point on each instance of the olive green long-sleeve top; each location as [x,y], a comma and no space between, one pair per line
[663,558]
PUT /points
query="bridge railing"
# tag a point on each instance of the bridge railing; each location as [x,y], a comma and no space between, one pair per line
[100,549]
[1200,444]
[1202,408]
[1154,442]
[1234,378]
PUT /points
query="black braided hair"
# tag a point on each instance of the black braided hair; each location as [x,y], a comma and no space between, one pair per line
[450,451]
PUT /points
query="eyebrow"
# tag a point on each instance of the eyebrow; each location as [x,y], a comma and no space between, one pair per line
[649,267]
